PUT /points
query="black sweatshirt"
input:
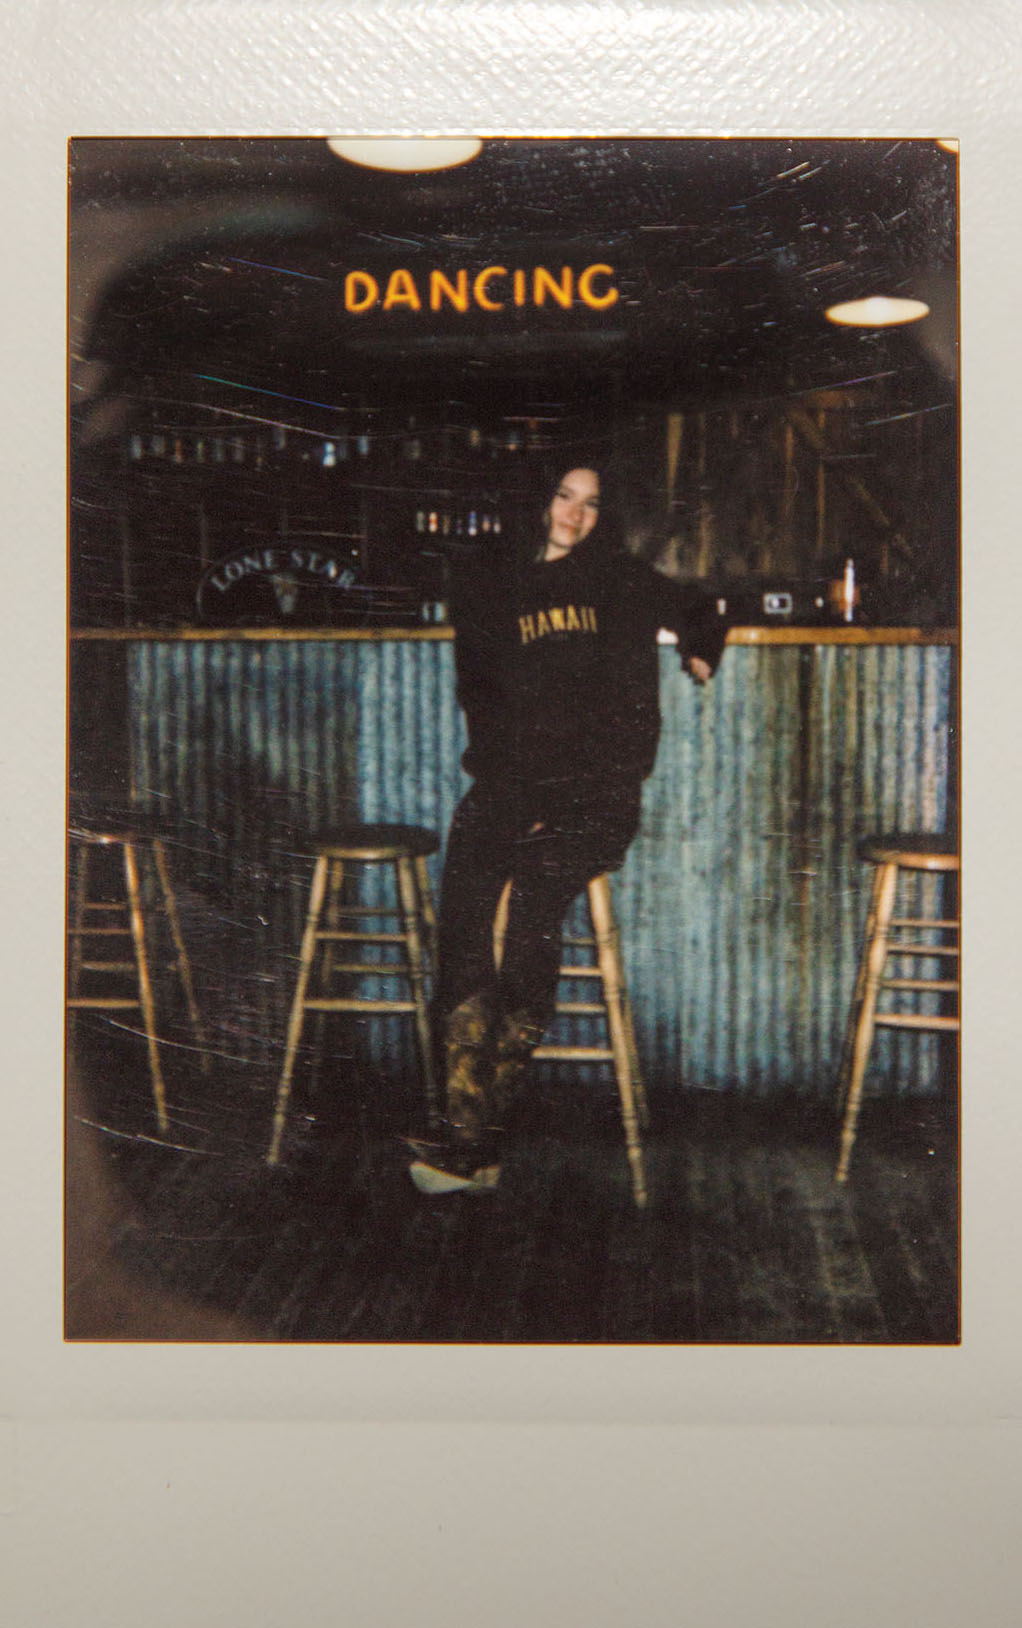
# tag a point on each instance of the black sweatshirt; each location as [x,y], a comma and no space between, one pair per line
[557,663]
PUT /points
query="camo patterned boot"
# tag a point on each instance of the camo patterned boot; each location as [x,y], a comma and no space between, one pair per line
[464,1157]
[516,1037]
[468,1047]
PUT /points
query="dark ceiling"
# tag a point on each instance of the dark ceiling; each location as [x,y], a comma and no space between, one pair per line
[225,259]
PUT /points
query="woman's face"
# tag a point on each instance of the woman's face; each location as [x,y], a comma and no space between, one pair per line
[574,508]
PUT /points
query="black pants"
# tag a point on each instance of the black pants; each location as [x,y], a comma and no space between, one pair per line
[549,846]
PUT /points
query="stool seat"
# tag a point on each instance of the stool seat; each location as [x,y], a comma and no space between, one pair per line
[113,821]
[917,852]
[110,833]
[378,843]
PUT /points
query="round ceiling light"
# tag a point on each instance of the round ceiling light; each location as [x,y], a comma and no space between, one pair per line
[879,311]
[406,153]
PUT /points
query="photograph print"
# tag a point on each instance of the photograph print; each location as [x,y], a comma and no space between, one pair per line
[513,753]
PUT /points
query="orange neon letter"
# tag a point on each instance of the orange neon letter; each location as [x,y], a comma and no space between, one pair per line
[599,302]
[440,287]
[479,288]
[360,291]
[401,290]
[543,283]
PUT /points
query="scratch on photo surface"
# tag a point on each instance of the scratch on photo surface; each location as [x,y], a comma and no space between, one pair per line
[154,1141]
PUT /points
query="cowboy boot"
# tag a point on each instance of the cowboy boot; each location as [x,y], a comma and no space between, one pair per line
[464,1156]
[516,1037]
[468,1048]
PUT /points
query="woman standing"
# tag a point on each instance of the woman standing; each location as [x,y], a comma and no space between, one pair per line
[557,672]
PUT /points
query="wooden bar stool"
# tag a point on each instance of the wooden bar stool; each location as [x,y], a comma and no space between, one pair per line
[892,855]
[612,1005]
[94,919]
[404,848]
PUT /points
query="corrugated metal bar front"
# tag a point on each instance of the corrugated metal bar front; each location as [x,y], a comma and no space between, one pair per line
[247,751]
[743,900]
[410,741]
[741,903]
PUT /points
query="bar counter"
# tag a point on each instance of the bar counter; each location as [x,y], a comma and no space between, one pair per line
[736,636]
[741,903]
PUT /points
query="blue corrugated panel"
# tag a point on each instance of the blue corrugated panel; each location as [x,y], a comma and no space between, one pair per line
[741,903]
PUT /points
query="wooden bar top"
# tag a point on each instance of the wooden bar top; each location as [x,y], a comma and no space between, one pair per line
[855,635]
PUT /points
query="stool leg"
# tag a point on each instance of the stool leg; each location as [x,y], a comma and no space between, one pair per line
[294,1028]
[326,965]
[145,988]
[638,1084]
[184,969]
[855,1007]
[411,907]
[608,951]
[500,925]
[875,956]
[428,910]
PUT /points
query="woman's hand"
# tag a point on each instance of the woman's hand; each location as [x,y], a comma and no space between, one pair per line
[699,670]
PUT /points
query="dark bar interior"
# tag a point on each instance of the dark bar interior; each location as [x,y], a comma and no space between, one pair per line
[302,390]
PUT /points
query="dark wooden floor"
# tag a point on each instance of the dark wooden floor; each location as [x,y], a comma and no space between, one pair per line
[745,1239]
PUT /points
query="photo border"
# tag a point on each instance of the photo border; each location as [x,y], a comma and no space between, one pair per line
[408,69]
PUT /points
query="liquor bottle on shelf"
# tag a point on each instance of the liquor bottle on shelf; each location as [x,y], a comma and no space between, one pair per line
[844,595]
